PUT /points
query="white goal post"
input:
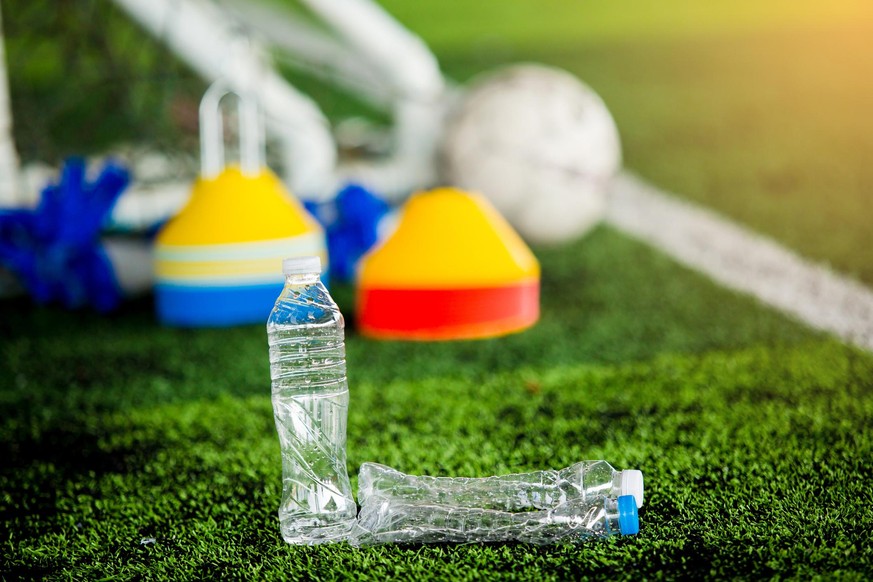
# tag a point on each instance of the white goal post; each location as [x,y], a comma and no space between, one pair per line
[362,50]
[368,52]
[10,190]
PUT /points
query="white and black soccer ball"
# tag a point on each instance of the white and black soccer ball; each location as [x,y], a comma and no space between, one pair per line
[539,144]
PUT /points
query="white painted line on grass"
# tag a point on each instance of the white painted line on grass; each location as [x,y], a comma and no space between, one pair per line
[743,260]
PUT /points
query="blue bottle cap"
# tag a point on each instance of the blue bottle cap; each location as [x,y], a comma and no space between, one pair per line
[628,518]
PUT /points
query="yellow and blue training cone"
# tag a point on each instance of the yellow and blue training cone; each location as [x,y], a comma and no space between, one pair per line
[219,261]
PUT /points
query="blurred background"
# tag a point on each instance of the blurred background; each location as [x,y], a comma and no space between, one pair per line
[759,110]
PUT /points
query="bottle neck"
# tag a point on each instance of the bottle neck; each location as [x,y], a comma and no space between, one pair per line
[301,279]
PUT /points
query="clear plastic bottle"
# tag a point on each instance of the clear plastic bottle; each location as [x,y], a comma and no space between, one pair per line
[586,499]
[581,483]
[310,403]
[383,520]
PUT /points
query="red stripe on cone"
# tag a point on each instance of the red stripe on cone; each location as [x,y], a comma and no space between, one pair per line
[428,314]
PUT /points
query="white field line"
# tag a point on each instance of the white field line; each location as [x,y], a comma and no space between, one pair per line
[743,260]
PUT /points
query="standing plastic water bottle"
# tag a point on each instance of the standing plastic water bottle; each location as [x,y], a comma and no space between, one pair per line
[310,403]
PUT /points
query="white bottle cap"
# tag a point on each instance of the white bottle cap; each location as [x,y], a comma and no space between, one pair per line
[301,265]
[632,484]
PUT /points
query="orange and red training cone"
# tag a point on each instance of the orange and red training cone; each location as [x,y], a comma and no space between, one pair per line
[453,269]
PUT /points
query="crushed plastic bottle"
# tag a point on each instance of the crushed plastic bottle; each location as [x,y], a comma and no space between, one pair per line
[310,405]
[587,499]
[383,521]
[580,483]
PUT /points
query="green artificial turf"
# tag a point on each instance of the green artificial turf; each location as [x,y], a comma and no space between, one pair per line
[132,450]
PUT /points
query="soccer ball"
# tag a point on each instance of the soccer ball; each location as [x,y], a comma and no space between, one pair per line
[539,144]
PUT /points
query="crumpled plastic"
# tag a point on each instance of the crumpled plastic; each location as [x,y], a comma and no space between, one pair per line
[542,507]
